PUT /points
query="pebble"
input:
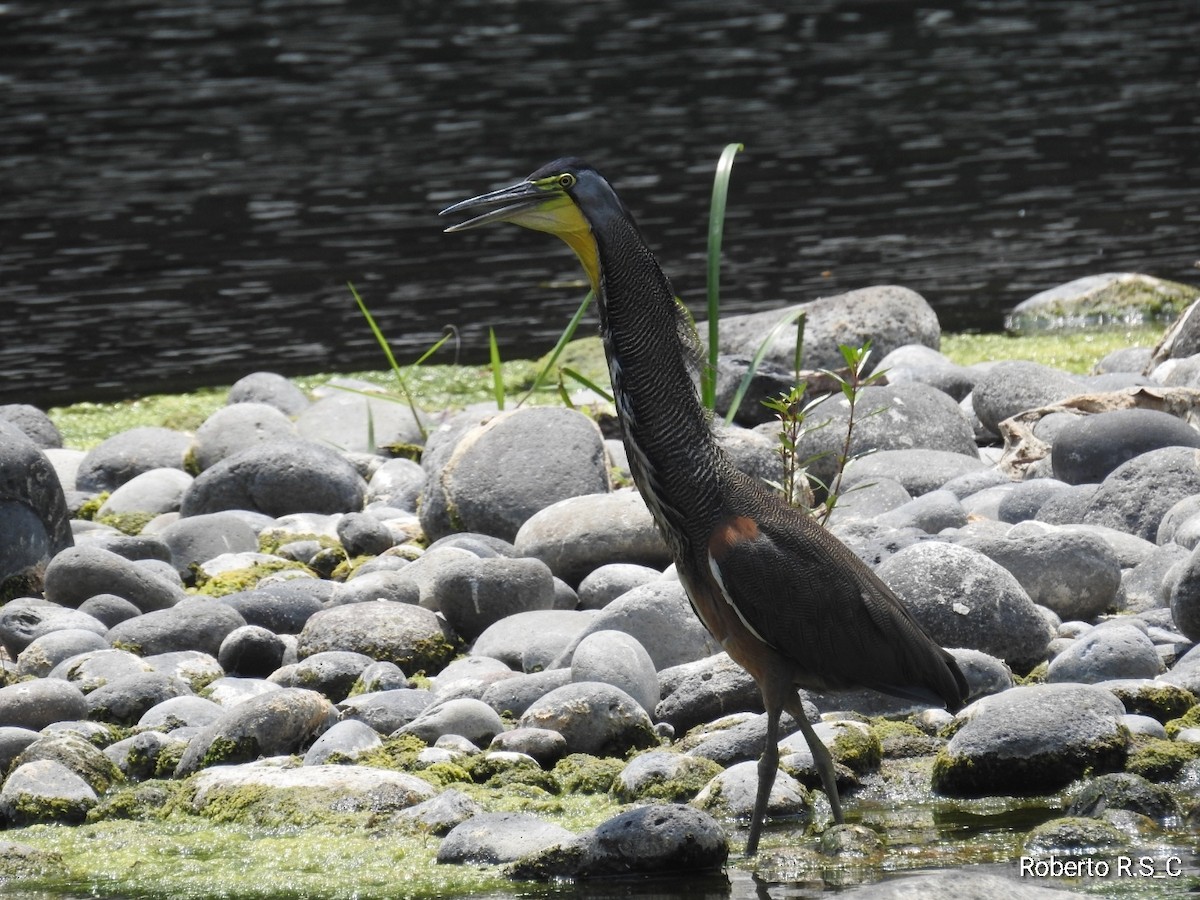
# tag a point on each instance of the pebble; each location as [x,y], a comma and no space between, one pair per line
[554,588]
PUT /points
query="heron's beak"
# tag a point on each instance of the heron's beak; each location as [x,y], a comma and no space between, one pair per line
[510,204]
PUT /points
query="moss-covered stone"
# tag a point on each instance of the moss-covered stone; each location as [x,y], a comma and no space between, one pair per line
[1159,700]
[1188,719]
[578,772]
[88,509]
[399,753]
[901,740]
[236,580]
[1159,760]
[1074,835]
[127,522]
[857,749]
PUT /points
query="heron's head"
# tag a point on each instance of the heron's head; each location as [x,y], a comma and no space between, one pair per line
[567,198]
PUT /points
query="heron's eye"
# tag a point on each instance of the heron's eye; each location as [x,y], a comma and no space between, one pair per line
[566,181]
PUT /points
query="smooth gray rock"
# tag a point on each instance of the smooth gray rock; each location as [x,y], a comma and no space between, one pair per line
[1074,573]
[606,583]
[44,653]
[123,701]
[913,416]
[916,362]
[1185,597]
[1013,386]
[123,456]
[200,538]
[542,744]
[155,491]
[770,379]
[269,388]
[21,623]
[71,743]
[386,711]
[888,315]
[539,637]
[503,471]
[964,599]
[362,534]
[439,815]
[276,723]
[347,740]
[919,471]
[187,711]
[1137,494]
[475,593]
[1091,447]
[33,423]
[1106,653]
[660,617]
[512,696]
[1026,498]
[398,483]
[45,791]
[13,741]
[331,672]
[348,420]
[869,499]
[237,427]
[1033,739]
[251,651]
[491,838]
[646,841]
[931,512]
[409,636]
[1182,511]
[705,690]
[278,478]
[617,658]
[34,518]
[41,702]
[380,676]
[580,534]
[472,719]
[78,573]
[1067,507]
[396,585]
[282,607]
[650,772]
[109,609]
[731,794]
[194,667]
[594,718]
[198,623]
[96,668]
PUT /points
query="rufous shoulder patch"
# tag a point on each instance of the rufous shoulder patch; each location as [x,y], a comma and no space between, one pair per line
[729,532]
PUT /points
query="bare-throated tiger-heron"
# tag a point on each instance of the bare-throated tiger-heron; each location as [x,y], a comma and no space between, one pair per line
[787,600]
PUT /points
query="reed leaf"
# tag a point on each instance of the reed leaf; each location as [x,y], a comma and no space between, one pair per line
[716,227]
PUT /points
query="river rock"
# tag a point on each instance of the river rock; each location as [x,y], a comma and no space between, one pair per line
[1013,386]
[540,637]
[386,711]
[409,636]
[1024,499]
[352,421]
[276,479]
[137,756]
[41,702]
[1074,573]
[1124,791]
[34,518]
[109,609]
[931,513]
[282,607]
[78,573]
[887,315]
[33,423]
[580,534]
[919,471]
[916,362]
[44,653]
[512,696]
[398,483]
[964,599]
[130,453]
[22,622]
[346,788]
[123,701]
[475,593]
[705,690]
[197,623]
[156,491]
[251,651]
[647,841]
[663,774]
[617,658]
[1102,654]
[186,711]
[269,388]
[1091,447]
[362,534]
[13,741]
[45,791]
[331,672]
[346,740]
[659,616]
[491,838]
[517,463]
[276,723]
[912,416]
[1031,740]
[543,745]
[594,718]
[731,794]
[441,814]
[194,667]
[606,583]
[468,718]
[237,427]
[1137,494]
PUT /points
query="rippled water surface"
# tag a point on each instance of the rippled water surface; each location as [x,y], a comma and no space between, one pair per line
[186,187]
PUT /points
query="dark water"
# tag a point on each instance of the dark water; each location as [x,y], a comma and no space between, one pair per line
[186,187]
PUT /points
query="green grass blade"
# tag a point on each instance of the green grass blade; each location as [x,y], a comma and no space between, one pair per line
[497,370]
[716,227]
[563,340]
[756,361]
[391,358]
[587,383]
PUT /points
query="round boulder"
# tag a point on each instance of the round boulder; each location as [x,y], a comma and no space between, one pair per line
[237,427]
[1013,386]
[85,571]
[474,593]
[1137,494]
[413,638]
[128,454]
[1088,449]
[594,718]
[34,518]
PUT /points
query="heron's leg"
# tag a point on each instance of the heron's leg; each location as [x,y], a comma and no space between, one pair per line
[821,757]
[768,766]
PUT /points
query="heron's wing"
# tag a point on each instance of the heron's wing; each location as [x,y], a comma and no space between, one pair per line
[806,594]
